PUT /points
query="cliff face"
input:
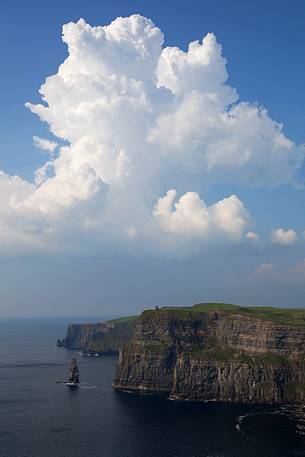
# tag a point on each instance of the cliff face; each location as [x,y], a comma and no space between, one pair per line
[78,335]
[257,336]
[214,355]
[253,382]
[102,338]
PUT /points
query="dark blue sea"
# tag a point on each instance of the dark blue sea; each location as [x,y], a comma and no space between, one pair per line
[41,418]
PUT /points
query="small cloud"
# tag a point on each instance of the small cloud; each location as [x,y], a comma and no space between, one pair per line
[283,237]
[263,269]
[252,236]
[44,144]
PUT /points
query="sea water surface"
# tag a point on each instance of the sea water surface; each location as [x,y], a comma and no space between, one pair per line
[41,418]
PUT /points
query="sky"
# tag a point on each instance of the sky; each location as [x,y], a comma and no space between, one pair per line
[151,154]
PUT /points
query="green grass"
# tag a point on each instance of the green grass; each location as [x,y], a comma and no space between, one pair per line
[122,320]
[203,307]
[156,348]
[189,311]
[215,306]
[285,316]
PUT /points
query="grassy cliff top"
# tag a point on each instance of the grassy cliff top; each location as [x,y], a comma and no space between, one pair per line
[123,320]
[281,316]
[285,316]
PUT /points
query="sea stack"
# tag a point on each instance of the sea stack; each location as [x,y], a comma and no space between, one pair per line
[73,373]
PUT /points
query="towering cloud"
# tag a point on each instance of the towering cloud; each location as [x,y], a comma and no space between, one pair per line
[138,119]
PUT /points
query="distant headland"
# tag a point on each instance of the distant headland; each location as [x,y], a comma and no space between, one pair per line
[101,338]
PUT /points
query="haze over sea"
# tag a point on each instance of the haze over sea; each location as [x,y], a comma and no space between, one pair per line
[41,418]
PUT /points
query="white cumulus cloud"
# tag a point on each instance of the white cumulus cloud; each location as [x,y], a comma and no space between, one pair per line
[252,236]
[189,216]
[284,237]
[137,119]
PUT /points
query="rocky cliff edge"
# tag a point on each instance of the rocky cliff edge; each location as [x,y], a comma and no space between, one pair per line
[217,352]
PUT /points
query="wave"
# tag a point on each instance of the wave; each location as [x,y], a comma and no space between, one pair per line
[296,413]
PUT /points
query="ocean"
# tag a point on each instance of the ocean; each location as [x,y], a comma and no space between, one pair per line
[39,417]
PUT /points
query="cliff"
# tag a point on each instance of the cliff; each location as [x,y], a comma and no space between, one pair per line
[102,338]
[217,352]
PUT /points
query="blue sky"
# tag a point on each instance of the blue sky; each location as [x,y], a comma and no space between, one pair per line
[264,44]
